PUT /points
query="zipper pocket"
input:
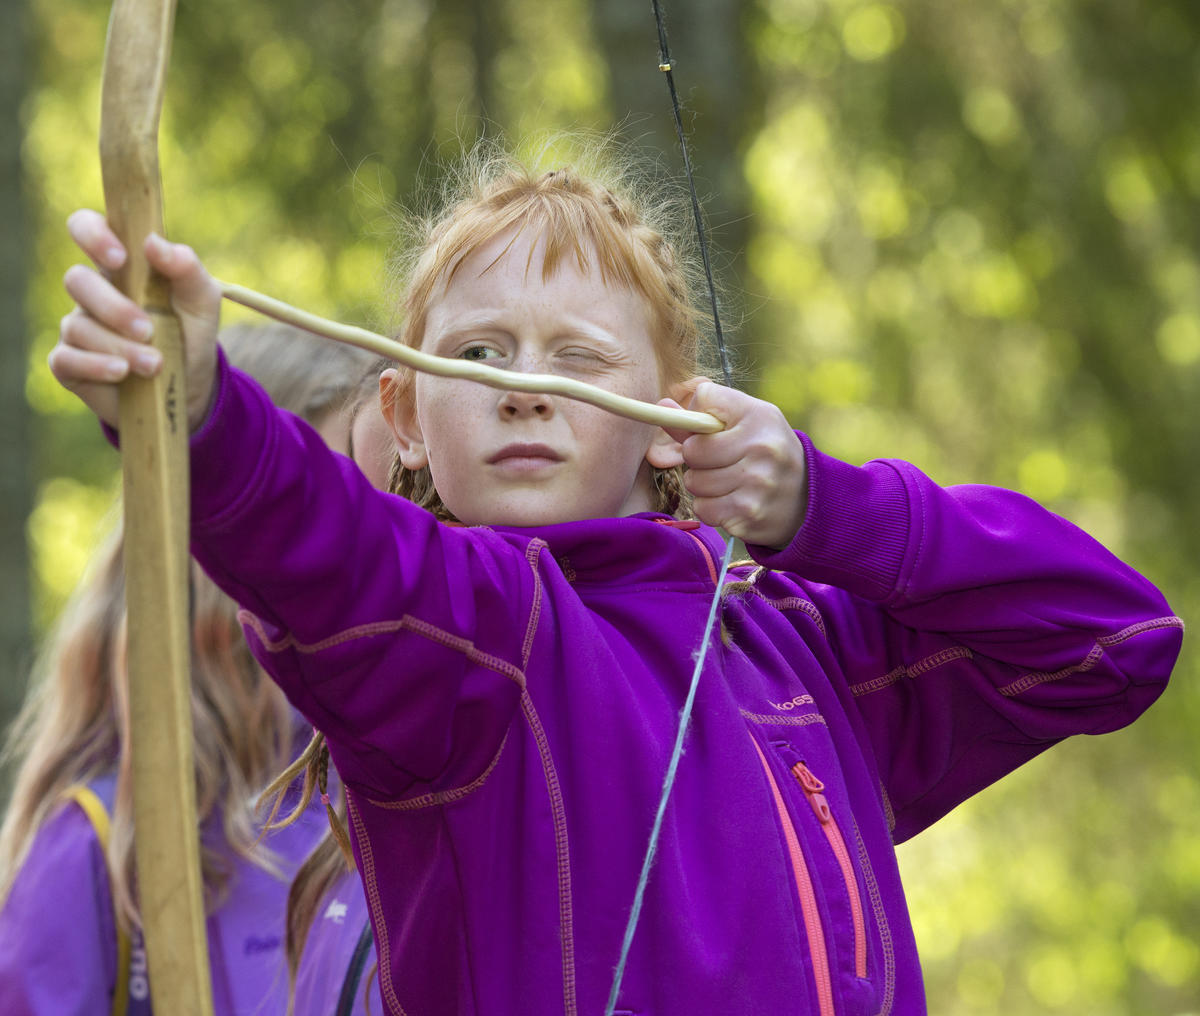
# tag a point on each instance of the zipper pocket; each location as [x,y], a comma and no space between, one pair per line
[808,897]
[813,790]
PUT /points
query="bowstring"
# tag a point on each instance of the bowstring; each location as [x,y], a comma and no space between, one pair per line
[685,714]
[664,65]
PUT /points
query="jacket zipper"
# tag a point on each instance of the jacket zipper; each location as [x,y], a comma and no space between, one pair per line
[808,897]
[813,788]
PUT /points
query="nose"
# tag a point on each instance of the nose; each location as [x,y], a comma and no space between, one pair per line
[526,405]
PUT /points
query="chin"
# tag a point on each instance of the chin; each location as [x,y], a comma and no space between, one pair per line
[527,509]
[526,515]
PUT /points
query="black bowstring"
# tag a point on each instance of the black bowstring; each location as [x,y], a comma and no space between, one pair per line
[686,711]
[664,65]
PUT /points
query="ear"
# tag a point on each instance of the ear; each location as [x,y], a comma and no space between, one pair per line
[396,401]
[666,449]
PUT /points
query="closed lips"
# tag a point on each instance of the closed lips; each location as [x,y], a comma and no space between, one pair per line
[526,451]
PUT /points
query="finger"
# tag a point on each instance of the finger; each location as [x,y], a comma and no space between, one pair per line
[678,436]
[714,483]
[721,513]
[101,300]
[726,404]
[76,368]
[682,397]
[730,407]
[193,290]
[91,231]
[80,332]
[714,451]
[69,367]
[736,513]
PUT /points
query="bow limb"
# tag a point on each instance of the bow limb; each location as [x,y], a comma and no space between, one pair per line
[154,456]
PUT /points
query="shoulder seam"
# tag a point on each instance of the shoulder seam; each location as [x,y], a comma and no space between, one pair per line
[405,623]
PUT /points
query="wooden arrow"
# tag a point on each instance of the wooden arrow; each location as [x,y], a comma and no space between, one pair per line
[154,456]
[493,377]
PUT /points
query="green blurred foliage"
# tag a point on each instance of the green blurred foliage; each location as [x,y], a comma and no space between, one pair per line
[971,240]
[978,249]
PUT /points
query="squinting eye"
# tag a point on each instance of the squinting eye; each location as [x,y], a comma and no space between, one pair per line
[577,353]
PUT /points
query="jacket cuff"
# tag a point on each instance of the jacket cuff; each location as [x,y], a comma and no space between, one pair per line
[856,532]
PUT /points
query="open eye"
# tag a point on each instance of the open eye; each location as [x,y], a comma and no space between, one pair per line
[478,352]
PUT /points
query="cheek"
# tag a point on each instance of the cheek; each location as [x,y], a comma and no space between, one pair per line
[613,438]
[439,405]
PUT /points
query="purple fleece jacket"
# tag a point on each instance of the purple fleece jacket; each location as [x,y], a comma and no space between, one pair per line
[501,704]
[58,944]
[333,980]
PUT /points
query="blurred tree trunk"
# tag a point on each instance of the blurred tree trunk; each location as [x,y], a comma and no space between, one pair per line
[15,475]
[718,91]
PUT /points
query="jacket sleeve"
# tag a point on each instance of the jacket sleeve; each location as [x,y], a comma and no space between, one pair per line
[58,951]
[399,637]
[973,627]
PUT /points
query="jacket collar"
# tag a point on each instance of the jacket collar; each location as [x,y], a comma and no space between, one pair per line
[641,549]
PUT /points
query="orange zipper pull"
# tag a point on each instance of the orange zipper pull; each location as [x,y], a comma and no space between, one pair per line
[812,790]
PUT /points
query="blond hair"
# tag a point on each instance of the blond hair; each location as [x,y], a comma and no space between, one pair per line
[74,725]
[596,213]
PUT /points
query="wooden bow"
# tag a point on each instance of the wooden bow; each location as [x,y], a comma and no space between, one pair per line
[154,456]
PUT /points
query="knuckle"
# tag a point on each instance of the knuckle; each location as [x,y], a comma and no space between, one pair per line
[776,451]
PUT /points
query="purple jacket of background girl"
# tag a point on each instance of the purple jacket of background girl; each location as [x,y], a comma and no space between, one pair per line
[501,704]
[58,943]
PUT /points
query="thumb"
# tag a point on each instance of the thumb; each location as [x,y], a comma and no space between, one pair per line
[683,395]
[194,293]
[678,436]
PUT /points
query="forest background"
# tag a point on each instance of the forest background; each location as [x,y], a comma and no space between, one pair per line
[960,232]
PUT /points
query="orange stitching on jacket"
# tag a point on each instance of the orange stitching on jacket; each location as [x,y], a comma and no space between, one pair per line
[795,603]
[562,853]
[922,666]
[535,611]
[803,720]
[444,796]
[407,622]
[1036,678]
[1136,629]
[888,811]
[368,871]
[1033,680]
[881,922]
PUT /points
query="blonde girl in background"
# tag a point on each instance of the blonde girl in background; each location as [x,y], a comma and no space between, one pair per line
[329,947]
[499,658]
[69,940]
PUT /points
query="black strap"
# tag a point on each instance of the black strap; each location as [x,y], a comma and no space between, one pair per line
[354,972]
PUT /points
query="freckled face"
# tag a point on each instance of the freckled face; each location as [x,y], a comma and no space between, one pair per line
[508,458]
